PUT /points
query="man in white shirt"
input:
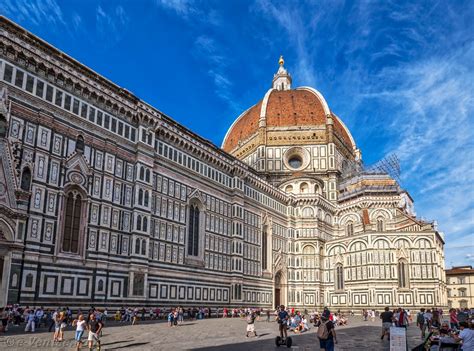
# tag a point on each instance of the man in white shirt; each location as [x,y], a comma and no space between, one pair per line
[39,316]
[467,337]
[30,321]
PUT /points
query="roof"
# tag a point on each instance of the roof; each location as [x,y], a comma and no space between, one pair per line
[284,108]
[460,270]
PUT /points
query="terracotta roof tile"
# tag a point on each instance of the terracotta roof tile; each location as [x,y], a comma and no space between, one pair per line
[243,127]
[294,108]
[288,108]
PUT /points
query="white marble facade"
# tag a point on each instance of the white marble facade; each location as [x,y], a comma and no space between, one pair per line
[162,217]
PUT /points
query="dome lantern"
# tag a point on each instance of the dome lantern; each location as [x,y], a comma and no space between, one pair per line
[281,79]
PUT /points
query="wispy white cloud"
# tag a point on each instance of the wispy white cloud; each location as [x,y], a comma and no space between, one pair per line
[292,21]
[76,21]
[111,23]
[37,12]
[425,109]
[211,54]
[404,78]
[183,8]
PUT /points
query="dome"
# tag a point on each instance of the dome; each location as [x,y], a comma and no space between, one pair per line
[283,108]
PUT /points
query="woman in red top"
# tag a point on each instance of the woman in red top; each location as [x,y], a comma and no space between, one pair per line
[453,319]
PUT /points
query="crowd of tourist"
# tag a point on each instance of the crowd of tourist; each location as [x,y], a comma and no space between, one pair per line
[92,321]
[432,322]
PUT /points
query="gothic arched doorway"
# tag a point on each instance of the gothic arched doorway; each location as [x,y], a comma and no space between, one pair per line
[6,246]
[278,289]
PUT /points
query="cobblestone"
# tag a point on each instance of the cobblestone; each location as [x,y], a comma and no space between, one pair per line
[213,334]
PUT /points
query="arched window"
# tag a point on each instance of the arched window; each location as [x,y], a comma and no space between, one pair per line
[29,280]
[317,189]
[339,279]
[144,247]
[402,274]
[72,223]
[145,224]
[3,127]
[137,246]
[350,229]
[304,188]
[308,212]
[142,173]
[147,198]
[289,188]
[193,230]
[25,179]
[139,222]
[380,226]
[138,284]
[264,248]
[328,219]
[80,144]
[147,177]
[100,285]
[140,197]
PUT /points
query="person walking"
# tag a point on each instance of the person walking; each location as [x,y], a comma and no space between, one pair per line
[453,319]
[94,327]
[402,320]
[57,325]
[30,321]
[421,323]
[80,325]
[62,325]
[326,334]
[251,324]
[387,320]
[4,316]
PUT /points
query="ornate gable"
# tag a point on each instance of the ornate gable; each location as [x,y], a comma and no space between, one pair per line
[196,194]
[78,170]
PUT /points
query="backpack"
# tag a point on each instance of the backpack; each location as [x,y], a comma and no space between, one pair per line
[323,332]
[420,319]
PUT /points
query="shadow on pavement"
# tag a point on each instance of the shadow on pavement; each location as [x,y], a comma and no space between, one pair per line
[136,344]
[360,338]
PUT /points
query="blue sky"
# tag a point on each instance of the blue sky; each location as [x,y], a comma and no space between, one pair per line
[399,73]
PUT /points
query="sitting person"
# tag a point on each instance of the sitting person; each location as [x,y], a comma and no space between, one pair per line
[304,324]
[445,329]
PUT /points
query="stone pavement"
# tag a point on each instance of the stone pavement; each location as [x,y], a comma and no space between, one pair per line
[214,334]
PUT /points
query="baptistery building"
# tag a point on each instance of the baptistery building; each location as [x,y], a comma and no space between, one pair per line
[107,201]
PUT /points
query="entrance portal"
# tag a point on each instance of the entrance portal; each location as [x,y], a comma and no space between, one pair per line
[277,297]
[277,290]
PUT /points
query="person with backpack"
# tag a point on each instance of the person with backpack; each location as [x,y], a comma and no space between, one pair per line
[326,334]
[420,322]
[251,324]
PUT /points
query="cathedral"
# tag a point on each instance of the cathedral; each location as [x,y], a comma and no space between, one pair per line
[107,201]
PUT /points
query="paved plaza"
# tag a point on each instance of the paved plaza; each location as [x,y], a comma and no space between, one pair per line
[213,334]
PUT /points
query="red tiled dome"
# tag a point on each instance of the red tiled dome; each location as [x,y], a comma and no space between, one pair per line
[284,108]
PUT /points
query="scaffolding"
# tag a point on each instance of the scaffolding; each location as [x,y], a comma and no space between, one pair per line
[389,165]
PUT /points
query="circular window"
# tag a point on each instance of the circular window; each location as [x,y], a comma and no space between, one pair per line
[295,161]
[296,158]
